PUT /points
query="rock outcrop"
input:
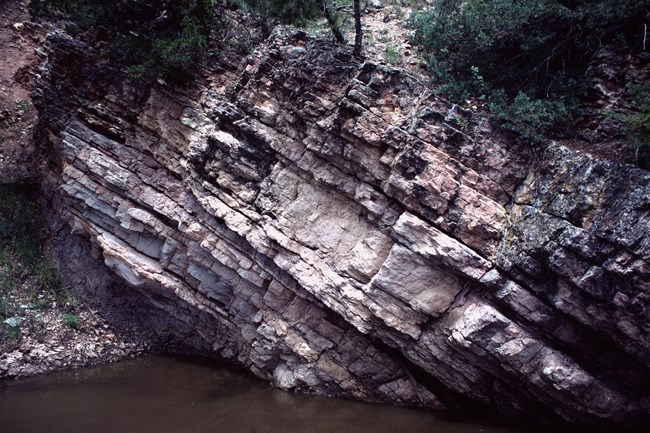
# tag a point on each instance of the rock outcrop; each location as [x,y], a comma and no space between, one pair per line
[338,229]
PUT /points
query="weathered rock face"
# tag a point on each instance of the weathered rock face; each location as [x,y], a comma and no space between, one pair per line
[337,229]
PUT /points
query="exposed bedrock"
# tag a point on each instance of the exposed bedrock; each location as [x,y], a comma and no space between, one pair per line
[337,229]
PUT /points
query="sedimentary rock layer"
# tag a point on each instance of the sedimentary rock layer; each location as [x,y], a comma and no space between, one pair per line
[337,229]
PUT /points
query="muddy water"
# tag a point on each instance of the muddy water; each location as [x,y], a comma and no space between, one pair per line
[186,395]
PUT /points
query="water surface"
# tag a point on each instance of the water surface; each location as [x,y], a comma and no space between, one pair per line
[186,395]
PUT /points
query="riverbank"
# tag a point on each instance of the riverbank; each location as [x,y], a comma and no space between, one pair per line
[48,340]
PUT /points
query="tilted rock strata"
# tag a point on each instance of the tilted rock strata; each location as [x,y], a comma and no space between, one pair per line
[337,229]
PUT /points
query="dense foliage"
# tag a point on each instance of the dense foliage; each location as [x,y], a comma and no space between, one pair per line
[637,124]
[300,12]
[528,58]
[169,38]
[285,11]
[164,37]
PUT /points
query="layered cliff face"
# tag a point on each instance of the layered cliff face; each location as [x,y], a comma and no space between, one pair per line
[337,229]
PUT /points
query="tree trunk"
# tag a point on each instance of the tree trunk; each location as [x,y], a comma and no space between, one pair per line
[331,21]
[358,32]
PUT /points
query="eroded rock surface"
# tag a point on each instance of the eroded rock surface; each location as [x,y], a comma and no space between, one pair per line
[337,229]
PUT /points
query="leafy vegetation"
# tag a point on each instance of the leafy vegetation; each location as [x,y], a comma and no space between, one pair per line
[165,38]
[23,266]
[637,123]
[529,117]
[24,106]
[71,321]
[169,38]
[527,59]
[301,12]
[391,55]
[6,284]
[283,11]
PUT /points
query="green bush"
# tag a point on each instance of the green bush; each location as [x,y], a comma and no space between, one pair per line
[71,321]
[531,118]
[164,38]
[391,55]
[636,124]
[297,12]
[6,286]
[523,53]
[178,56]
[11,331]
[49,277]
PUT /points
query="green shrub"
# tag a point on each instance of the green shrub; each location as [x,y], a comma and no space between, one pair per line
[297,12]
[178,56]
[71,321]
[637,122]
[7,283]
[391,55]
[531,118]
[165,38]
[24,106]
[49,277]
[6,278]
[528,53]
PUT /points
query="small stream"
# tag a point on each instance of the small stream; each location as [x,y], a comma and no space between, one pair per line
[189,395]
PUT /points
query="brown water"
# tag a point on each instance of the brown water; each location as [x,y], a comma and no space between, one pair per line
[186,395]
